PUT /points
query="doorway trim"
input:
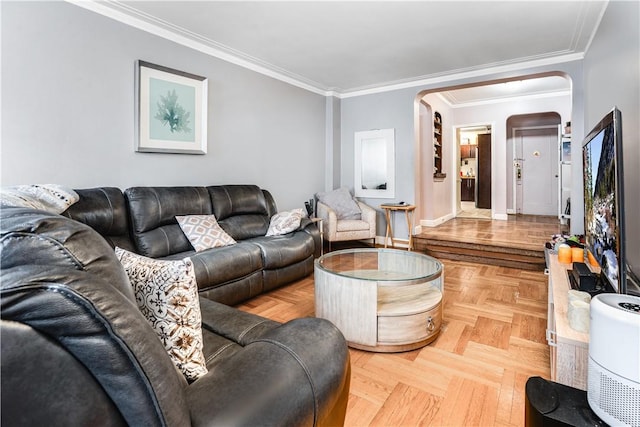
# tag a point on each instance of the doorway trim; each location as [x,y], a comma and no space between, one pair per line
[455,202]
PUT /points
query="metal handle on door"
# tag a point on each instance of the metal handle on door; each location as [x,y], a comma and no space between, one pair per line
[517,163]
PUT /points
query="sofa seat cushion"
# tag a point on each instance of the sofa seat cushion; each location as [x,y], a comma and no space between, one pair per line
[217,266]
[352,225]
[225,330]
[285,250]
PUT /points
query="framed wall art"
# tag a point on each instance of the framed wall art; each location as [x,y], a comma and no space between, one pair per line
[171,110]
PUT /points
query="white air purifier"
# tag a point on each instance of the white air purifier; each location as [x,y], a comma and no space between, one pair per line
[613,389]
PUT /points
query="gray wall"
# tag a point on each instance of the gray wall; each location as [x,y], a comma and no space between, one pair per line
[68,111]
[612,78]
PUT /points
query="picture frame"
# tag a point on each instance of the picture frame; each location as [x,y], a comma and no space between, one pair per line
[170,110]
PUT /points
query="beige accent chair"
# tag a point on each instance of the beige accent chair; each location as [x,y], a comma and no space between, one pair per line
[338,230]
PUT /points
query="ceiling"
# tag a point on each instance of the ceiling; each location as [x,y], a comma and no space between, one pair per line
[345,47]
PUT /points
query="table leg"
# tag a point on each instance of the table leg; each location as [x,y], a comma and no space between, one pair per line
[409,215]
[389,233]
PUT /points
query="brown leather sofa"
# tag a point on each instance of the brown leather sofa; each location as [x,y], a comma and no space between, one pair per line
[142,220]
[77,351]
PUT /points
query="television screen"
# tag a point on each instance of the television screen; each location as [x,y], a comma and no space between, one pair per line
[603,193]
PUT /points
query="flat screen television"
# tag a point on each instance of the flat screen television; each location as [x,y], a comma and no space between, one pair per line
[603,200]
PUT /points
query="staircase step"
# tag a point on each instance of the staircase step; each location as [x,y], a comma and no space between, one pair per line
[525,259]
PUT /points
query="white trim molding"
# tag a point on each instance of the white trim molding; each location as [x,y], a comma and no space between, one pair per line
[128,15]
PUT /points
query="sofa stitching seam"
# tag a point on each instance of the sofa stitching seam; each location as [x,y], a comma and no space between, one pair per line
[217,353]
[250,328]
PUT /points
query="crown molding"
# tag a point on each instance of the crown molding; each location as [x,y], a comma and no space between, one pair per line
[134,18]
[490,69]
[130,16]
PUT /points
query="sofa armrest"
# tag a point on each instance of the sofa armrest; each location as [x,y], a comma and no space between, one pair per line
[311,228]
[296,374]
[236,325]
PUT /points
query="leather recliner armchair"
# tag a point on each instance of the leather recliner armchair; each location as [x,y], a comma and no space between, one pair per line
[77,351]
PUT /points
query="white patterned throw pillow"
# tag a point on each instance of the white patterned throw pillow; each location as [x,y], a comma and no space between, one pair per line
[167,295]
[47,197]
[204,232]
[285,222]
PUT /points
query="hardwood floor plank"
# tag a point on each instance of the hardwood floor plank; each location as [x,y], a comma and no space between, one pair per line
[407,406]
[491,332]
[506,398]
[468,403]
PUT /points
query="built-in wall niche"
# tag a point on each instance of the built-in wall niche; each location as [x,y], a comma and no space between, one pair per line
[437,147]
[374,172]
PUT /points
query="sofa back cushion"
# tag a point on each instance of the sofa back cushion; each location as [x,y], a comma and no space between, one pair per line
[152,212]
[103,209]
[64,296]
[243,211]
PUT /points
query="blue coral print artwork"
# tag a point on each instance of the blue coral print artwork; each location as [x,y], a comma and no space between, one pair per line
[171,111]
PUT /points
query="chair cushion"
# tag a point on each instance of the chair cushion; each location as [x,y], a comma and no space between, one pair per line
[341,202]
[352,225]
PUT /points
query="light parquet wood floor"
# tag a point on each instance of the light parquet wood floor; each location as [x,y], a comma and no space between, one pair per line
[521,231]
[474,374]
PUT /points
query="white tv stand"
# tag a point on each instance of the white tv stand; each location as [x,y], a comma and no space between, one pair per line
[568,348]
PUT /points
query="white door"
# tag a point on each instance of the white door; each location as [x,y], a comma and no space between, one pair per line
[537,178]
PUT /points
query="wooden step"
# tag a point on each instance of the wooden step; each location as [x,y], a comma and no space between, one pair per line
[504,256]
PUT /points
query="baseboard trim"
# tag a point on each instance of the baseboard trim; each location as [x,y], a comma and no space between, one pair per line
[436,222]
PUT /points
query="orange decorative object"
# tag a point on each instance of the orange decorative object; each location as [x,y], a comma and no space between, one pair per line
[577,254]
[592,259]
[564,254]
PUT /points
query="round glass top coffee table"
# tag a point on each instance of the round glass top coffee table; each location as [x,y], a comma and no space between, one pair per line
[384,300]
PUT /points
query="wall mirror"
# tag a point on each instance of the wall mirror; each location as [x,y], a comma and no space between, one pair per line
[374,171]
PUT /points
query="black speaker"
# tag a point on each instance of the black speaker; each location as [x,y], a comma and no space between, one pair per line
[549,404]
[582,278]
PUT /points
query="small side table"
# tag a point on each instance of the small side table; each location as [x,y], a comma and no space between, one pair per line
[318,222]
[408,212]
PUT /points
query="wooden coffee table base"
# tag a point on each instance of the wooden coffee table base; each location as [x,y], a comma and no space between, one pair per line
[382,309]
[394,348]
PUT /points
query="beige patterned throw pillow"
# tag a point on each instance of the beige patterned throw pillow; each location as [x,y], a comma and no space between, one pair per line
[285,222]
[204,232]
[167,296]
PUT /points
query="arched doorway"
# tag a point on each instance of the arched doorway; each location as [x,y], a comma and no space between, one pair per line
[436,200]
